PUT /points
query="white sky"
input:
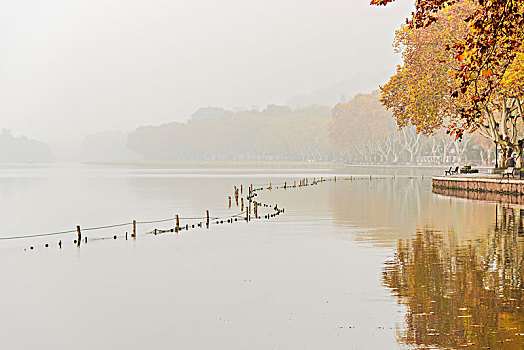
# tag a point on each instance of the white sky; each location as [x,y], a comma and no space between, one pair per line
[69,68]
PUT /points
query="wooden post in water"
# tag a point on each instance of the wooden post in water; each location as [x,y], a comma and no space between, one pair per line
[295,183]
[79,236]
[241,189]
[250,199]
[134,229]
[321,179]
[335,179]
[207,222]
[242,202]
[247,214]
[256,210]
[229,201]
[369,177]
[285,185]
[177,223]
[270,186]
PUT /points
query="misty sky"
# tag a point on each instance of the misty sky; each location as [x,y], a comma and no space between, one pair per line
[73,67]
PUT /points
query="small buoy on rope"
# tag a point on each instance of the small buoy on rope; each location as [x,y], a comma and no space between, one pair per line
[114,237]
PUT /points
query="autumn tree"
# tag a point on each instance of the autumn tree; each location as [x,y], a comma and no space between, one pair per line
[492,45]
[419,92]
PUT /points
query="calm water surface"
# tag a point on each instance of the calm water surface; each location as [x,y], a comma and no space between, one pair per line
[380,264]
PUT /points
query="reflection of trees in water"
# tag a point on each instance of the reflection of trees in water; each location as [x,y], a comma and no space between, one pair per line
[462,294]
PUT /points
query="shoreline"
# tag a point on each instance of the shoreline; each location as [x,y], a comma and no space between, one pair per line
[264,164]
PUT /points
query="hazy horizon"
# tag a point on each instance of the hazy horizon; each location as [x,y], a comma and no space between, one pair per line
[70,69]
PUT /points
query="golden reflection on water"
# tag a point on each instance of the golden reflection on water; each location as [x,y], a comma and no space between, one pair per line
[458,293]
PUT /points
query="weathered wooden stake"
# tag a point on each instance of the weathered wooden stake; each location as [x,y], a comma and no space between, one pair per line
[207,214]
[229,201]
[242,202]
[79,236]
[247,214]
[285,185]
[335,179]
[241,189]
[177,223]
[270,186]
[295,183]
[134,229]
[256,210]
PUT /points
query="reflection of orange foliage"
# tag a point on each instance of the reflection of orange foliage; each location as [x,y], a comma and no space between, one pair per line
[459,294]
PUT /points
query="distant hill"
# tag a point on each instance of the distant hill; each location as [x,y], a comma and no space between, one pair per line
[341,91]
[20,149]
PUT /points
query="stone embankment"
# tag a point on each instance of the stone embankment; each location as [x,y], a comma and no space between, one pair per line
[487,184]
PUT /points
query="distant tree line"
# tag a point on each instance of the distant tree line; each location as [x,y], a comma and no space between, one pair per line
[20,149]
[359,131]
[276,133]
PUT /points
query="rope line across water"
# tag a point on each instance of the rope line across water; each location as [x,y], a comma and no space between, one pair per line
[263,187]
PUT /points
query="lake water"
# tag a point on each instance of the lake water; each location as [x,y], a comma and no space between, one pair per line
[363,264]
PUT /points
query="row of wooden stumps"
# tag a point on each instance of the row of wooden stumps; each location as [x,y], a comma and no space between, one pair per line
[177,223]
[78,241]
[79,236]
[237,193]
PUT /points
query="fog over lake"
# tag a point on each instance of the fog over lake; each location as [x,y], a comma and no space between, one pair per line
[308,278]
[70,69]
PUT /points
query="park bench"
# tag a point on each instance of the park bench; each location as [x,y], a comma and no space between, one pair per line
[451,171]
[509,171]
